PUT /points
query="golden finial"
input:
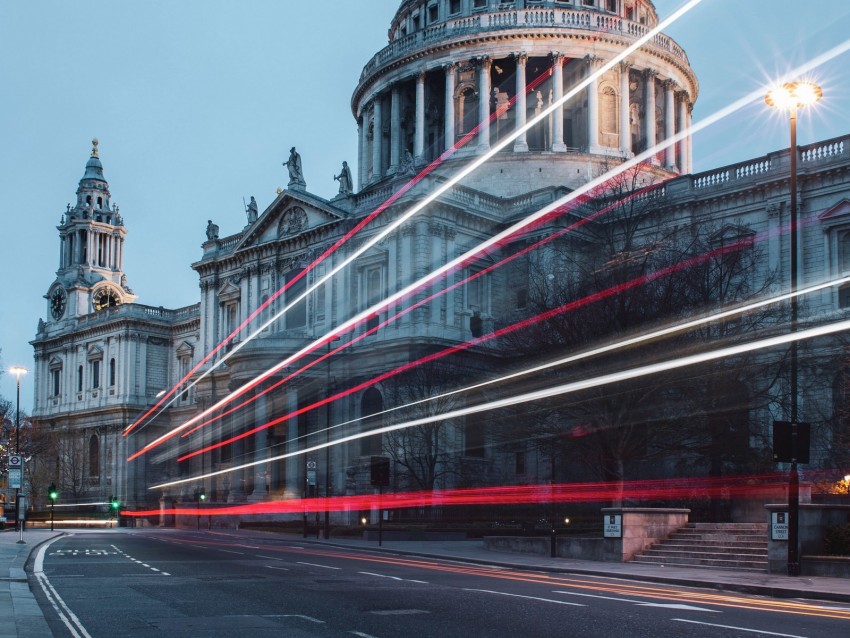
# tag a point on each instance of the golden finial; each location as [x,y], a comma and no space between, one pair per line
[279,191]
[94,147]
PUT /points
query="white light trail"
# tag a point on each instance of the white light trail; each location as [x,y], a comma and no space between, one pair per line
[589,354]
[432,196]
[567,388]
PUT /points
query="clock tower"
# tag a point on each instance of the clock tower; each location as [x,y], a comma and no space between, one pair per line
[91,276]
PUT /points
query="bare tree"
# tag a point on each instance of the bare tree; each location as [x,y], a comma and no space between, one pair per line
[422,455]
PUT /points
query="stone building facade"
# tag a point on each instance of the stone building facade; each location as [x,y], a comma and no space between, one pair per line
[101,358]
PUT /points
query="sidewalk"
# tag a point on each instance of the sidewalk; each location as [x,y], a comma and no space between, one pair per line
[22,616]
[19,611]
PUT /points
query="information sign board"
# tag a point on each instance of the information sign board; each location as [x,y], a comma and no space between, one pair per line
[779,526]
[612,526]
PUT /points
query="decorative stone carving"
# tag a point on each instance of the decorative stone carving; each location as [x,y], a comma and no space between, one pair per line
[296,174]
[212,230]
[293,221]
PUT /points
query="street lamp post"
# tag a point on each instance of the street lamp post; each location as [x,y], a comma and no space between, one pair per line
[18,371]
[791,96]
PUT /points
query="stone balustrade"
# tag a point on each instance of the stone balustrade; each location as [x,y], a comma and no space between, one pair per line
[527,19]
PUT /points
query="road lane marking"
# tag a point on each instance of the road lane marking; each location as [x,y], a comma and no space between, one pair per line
[679,606]
[317,565]
[230,551]
[309,618]
[380,575]
[361,634]
[544,600]
[268,557]
[575,593]
[399,612]
[283,569]
[755,631]
[68,618]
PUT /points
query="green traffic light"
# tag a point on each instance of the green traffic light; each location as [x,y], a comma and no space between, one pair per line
[52,494]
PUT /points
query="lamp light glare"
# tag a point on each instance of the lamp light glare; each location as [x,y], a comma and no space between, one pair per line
[793,95]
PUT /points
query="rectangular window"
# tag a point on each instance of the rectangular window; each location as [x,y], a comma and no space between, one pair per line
[433,13]
[55,376]
[95,374]
[519,464]
[454,6]
[80,379]
[112,372]
[296,317]
[479,4]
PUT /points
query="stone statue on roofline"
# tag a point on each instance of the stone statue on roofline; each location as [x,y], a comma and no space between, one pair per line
[212,230]
[346,185]
[296,174]
[251,210]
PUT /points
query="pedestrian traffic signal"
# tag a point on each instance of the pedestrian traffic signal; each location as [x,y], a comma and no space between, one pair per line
[52,494]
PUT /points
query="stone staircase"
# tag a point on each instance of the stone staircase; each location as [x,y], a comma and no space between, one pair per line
[734,546]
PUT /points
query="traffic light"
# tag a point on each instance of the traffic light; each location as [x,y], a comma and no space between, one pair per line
[114,503]
[52,494]
[202,495]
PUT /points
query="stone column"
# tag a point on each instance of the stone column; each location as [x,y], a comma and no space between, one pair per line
[450,105]
[669,124]
[260,448]
[361,155]
[683,125]
[592,107]
[395,129]
[419,135]
[625,125]
[521,110]
[484,103]
[294,480]
[558,90]
[689,163]
[377,135]
[651,136]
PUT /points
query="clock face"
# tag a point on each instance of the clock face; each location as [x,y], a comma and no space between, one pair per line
[58,301]
[105,298]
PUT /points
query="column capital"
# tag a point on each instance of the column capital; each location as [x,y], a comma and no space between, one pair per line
[521,57]
[650,74]
[420,74]
[593,61]
[557,57]
[624,66]
[668,84]
[484,61]
[449,67]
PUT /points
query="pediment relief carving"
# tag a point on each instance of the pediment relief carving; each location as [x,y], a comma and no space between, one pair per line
[287,217]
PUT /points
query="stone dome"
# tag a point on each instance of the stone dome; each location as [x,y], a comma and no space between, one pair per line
[476,70]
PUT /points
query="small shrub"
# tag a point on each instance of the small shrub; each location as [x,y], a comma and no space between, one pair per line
[836,540]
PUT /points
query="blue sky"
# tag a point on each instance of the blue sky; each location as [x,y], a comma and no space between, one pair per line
[196,104]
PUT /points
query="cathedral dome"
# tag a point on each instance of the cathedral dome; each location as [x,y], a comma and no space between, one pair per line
[475,71]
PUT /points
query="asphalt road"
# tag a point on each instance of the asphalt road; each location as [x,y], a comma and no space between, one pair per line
[181,583]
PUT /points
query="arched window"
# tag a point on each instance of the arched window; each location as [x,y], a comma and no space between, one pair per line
[94,456]
[371,403]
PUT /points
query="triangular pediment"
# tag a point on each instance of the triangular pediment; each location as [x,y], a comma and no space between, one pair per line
[730,234]
[291,215]
[95,352]
[839,213]
[185,349]
[229,290]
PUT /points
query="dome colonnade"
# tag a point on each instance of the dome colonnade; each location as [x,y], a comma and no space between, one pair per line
[451,64]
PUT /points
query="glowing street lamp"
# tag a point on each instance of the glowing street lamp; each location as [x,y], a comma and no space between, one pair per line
[790,97]
[18,371]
